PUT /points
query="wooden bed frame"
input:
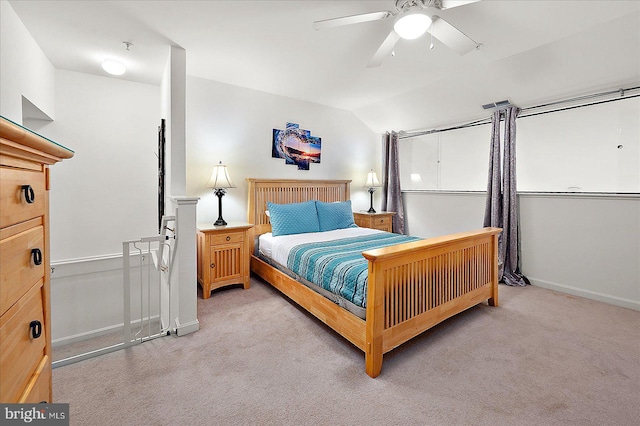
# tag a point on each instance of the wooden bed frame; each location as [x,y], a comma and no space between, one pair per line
[411,287]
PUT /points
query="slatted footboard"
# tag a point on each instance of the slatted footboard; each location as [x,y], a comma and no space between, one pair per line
[417,285]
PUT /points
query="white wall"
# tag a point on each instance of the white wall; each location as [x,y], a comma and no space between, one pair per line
[583,245]
[107,193]
[24,69]
[586,245]
[234,125]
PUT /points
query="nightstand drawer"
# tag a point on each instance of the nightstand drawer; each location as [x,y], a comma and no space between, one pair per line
[22,265]
[22,195]
[227,237]
[381,221]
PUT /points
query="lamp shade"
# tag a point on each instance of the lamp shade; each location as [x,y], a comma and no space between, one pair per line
[220,178]
[372,180]
[412,25]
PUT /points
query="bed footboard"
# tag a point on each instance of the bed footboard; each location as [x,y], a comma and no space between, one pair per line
[414,286]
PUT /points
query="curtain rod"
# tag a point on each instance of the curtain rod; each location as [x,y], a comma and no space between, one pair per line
[622,92]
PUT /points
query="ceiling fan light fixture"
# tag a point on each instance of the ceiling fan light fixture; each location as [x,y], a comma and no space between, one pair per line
[412,25]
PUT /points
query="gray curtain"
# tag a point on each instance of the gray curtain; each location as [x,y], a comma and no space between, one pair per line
[391,194]
[501,209]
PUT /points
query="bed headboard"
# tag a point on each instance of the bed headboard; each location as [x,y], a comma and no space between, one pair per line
[283,191]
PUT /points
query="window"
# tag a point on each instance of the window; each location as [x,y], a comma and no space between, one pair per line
[590,149]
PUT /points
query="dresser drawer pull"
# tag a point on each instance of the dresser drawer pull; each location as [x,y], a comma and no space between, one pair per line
[213,265]
[228,238]
[29,195]
[36,328]
[36,254]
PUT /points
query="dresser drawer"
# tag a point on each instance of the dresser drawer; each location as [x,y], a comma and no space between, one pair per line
[227,237]
[39,387]
[20,271]
[20,351]
[22,195]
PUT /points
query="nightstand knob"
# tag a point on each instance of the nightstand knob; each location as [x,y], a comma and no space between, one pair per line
[213,265]
[228,238]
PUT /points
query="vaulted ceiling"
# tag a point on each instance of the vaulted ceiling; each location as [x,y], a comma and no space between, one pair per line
[532,51]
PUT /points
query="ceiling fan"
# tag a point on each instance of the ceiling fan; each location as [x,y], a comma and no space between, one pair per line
[411,22]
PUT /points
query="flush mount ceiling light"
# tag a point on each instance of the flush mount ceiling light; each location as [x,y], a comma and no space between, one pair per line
[113,67]
[412,25]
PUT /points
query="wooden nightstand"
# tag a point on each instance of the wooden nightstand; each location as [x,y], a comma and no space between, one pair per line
[223,255]
[381,220]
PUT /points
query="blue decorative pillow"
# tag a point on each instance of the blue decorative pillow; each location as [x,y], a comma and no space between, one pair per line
[294,218]
[335,215]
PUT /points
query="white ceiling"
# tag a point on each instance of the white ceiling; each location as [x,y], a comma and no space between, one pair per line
[532,51]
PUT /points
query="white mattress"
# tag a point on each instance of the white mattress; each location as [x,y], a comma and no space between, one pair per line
[277,248]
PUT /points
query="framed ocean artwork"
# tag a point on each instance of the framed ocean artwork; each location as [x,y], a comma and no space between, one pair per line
[296,146]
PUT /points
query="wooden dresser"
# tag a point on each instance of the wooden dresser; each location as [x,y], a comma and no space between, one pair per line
[224,256]
[25,314]
[381,220]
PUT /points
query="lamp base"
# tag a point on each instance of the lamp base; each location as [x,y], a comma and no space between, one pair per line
[371,209]
[219,193]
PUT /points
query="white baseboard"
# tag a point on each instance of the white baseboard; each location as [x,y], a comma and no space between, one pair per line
[67,340]
[187,328]
[587,294]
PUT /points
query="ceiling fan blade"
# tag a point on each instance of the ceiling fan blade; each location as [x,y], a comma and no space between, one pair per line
[448,4]
[385,48]
[452,37]
[353,19]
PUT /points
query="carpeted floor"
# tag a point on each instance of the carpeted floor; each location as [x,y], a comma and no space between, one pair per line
[541,358]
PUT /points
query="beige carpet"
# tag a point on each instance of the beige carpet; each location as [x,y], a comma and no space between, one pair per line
[541,358]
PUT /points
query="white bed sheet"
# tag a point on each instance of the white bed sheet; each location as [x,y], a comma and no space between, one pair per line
[278,248]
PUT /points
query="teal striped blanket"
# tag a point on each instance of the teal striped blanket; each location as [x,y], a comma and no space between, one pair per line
[338,265]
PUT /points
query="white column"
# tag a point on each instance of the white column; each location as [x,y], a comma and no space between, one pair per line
[177,184]
[184,280]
